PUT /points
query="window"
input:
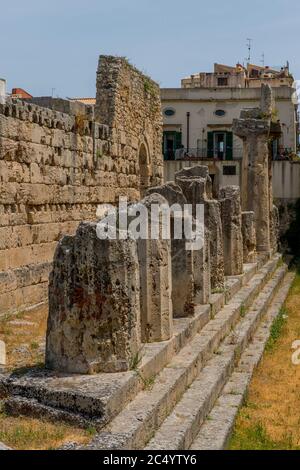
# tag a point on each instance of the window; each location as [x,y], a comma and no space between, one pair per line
[220,112]
[169,112]
[229,170]
[222,81]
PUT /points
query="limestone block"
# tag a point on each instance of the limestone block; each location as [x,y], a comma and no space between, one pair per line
[182,259]
[171,192]
[249,237]
[232,230]
[2,353]
[155,281]
[213,223]
[267,100]
[196,184]
[274,228]
[94,308]
[202,272]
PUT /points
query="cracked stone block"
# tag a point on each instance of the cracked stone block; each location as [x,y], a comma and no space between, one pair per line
[249,237]
[196,185]
[182,259]
[232,230]
[94,308]
[155,278]
[202,273]
[274,228]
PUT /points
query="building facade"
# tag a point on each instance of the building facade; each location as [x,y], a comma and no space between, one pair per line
[198,116]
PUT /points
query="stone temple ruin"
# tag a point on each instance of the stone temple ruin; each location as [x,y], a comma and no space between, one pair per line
[145,339]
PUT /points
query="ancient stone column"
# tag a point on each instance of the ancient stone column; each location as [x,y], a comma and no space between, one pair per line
[182,258]
[196,185]
[155,279]
[274,228]
[202,271]
[249,237]
[94,308]
[254,128]
[229,197]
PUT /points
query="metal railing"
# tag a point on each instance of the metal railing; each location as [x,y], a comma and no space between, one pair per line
[199,154]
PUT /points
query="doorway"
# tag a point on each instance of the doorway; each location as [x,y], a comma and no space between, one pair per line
[220,145]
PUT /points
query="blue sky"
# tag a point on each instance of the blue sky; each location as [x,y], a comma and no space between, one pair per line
[45,45]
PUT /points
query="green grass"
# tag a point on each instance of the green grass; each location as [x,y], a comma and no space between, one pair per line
[255,437]
[136,361]
[243,311]
[276,329]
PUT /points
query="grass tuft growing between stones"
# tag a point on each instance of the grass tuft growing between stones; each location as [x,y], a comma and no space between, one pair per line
[277,329]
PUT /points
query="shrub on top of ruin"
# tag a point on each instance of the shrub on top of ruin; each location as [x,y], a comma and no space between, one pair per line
[149,86]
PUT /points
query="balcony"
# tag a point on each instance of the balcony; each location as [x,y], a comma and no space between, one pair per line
[199,154]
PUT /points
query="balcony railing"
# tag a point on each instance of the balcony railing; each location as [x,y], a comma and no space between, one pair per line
[199,154]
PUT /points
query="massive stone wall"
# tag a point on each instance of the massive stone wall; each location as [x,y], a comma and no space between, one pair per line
[129,103]
[56,168]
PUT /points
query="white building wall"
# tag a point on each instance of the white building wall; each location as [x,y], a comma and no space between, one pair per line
[202,104]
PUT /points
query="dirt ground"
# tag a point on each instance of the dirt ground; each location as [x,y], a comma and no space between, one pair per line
[24,335]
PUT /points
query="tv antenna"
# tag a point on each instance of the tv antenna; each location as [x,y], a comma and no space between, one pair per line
[249,46]
[263,59]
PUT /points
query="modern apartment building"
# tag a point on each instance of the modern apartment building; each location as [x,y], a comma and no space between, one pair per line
[198,116]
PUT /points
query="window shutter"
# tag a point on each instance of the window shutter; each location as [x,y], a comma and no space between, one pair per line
[210,145]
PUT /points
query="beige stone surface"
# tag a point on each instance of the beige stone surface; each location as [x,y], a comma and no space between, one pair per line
[56,168]
[2,353]
[231,216]
[94,306]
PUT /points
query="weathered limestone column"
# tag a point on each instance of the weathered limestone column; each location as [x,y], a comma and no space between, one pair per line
[94,308]
[155,280]
[196,185]
[249,237]
[274,228]
[202,271]
[229,197]
[182,259]
[254,128]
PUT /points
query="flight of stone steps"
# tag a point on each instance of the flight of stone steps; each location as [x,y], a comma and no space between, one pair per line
[184,393]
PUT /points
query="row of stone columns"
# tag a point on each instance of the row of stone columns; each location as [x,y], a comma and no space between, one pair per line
[107,297]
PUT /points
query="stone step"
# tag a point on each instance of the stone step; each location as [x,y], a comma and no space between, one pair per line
[135,425]
[103,396]
[216,430]
[181,427]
